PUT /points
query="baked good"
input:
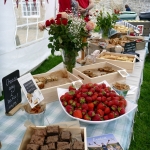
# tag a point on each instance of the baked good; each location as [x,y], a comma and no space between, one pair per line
[40,132]
[50,146]
[40,85]
[65,136]
[44,147]
[52,130]
[63,146]
[78,145]
[32,147]
[38,140]
[51,139]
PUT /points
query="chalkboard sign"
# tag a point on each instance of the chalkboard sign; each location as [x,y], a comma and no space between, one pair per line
[12,90]
[30,86]
[130,47]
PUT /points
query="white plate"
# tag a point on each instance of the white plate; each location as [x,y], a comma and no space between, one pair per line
[130,107]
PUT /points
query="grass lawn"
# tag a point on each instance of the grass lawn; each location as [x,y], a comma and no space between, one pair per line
[141,134]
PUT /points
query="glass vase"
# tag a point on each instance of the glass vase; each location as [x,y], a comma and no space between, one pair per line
[69,59]
[105,33]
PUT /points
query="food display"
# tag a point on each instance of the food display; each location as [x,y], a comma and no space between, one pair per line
[101,71]
[93,103]
[123,29]
[53,137]
[116,57]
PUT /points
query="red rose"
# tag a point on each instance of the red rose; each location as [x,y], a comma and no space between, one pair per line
[86,19]
[58,22]
[64,21]
[52,21]
[47,23]
[58,16]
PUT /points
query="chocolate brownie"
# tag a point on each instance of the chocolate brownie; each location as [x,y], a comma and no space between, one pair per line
[63,146]
[52,146]
[40,132]
[78,145]
[52,130]
[44,147]
[51,139]
[39,140]
[32,147]
[65,136]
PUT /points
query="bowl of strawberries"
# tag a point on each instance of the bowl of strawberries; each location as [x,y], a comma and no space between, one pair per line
[94,103]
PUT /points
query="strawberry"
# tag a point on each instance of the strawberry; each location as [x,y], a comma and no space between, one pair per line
[106,117]
[101,106]
[64,103]
[91,113]
[84,111]
[100,112]
[103,99]
[62,98]
[68,96]
[77,113]
[82,100]
[114,107]
[103,85]
[86,117]
[70,102]
[116,113]
[84,95]
[89,99]
[94,97]
[121,110]
[69,109]
[110,103]
[90,106]
[96,117]
[90,93]
[74,103]
[111,115]
[84,106]
[71,87]
[107,110]
[84,90]
[99,99]
[89,85]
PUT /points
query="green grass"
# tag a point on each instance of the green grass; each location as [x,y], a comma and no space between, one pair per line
[141,130]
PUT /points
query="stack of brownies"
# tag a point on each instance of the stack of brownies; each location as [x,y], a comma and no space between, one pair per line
[51,138]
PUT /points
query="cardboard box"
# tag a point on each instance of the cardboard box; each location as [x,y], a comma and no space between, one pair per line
[110,78]
[50,90]
[129,66]
[30,131]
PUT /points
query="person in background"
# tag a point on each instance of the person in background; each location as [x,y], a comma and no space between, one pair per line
[84,6]
[127,8]
[68,6]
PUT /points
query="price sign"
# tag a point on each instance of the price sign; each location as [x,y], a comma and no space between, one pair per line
[12,90]
[130,47]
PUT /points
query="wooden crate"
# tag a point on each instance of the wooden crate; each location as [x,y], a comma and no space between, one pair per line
[30,131]
[110,78]
[50,91]
[129,66]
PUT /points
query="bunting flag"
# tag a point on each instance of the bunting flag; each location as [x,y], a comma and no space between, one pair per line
[17,2]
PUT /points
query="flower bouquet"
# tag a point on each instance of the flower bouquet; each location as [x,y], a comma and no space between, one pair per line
[66,34]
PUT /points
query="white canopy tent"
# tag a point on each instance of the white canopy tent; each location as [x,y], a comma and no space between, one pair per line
[23,58]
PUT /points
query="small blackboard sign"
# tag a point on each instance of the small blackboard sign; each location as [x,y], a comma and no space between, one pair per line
[30,86]
[130,47]
[12,90]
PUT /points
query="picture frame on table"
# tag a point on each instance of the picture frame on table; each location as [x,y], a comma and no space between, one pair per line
[141,28]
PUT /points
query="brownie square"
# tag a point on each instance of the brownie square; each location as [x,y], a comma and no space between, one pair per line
[40,132]
[39,140]
[52,130]
[32,147]
[51,139]
[65,136]
[78,145]
[52,146]
[44,147]
[63,146]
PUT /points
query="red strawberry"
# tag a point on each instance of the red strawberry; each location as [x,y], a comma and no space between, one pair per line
[84,106]
[110,103]
[74,103]
[114,107]
[121,111]
[84,90]
[99,99]
[91,113]
[82,100]
[90,106]
[101,106]
[86,117]
[106,117]
[70,102]
[71,87]
[64,103]
[107,110]
[84,111]
[84,95]
[96,117]
[111,115]
[77,113]
[100,112]
[94,97]
[69,109]
[116,113]
[89,99]
[90,93]
[89,85]
[103,99]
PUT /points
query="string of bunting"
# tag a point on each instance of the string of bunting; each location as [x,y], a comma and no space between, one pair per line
[17,2]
